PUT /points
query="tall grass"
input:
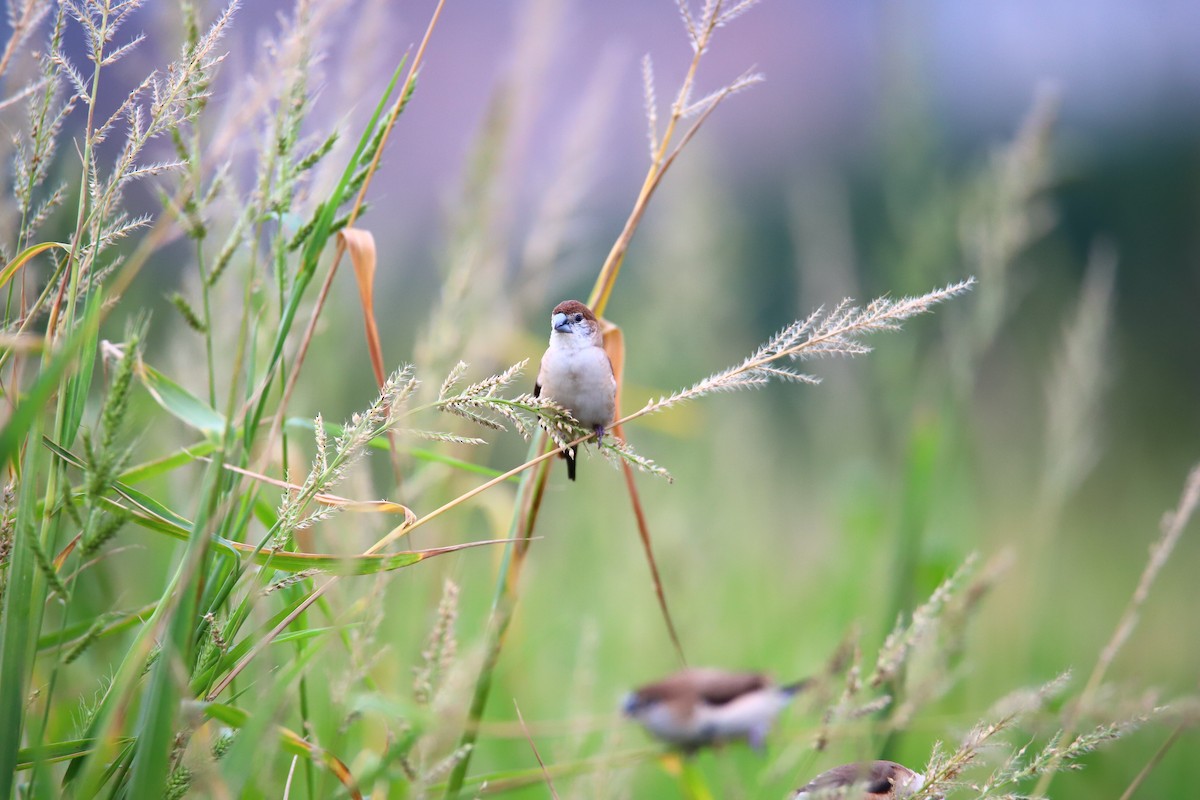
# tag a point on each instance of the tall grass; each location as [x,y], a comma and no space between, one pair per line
[204,588]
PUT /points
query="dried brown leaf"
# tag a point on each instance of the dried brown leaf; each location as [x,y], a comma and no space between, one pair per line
[360,245]
[614,345]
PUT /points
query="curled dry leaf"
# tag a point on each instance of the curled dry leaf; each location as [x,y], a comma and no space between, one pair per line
[360,244]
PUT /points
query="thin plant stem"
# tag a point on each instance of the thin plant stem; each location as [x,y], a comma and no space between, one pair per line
[17,33]
[1160,552]
[528,500]
[1154,761]
[536,754]
[598,299]
[644,536]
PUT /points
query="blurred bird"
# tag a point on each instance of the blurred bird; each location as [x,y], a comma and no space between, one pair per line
[869,780]
[695,707]
[576,372]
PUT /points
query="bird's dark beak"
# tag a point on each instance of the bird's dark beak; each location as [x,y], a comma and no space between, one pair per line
[561,323]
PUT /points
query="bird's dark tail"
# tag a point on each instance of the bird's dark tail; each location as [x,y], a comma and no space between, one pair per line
[795,688]
[572,457]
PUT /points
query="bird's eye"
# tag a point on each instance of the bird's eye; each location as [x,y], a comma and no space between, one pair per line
[579,317]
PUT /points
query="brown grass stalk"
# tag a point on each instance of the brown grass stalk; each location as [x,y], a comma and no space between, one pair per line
[659,164]
[644,536]
[536,754]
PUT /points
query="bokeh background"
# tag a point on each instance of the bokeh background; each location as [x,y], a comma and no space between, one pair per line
[864,165]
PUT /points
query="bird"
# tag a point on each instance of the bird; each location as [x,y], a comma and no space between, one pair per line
[867,780]
[698,707]
[576,372]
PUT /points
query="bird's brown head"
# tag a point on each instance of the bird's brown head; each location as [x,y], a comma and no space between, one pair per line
[572,315]
[573,307]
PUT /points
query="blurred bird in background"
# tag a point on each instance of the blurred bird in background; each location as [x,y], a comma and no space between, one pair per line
[696,707]
[868,780]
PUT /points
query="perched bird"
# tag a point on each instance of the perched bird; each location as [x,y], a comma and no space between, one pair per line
[869,780]
[576,372]
[697,707]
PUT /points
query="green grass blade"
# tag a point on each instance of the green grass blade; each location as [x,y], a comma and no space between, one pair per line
[22,258]
[161,466]
[31,406]
[88,774]
[159,707]
[79,384]
[500,618]
[55,752]
[180,403]
[117,769]
[20,621]
[247,749]
[289,740]
[315,245]
[113,622]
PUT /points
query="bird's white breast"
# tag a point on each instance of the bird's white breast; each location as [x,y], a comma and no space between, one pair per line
[578,376]
[739,718]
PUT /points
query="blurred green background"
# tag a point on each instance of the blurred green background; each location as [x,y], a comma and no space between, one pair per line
[865,165]
[853,171]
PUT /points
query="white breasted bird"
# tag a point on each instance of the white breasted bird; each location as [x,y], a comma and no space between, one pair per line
[576,372]
[697,707]
[868,780]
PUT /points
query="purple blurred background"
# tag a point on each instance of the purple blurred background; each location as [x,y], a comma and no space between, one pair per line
[1124,70]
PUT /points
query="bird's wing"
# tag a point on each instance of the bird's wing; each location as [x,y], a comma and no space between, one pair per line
[719,688]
